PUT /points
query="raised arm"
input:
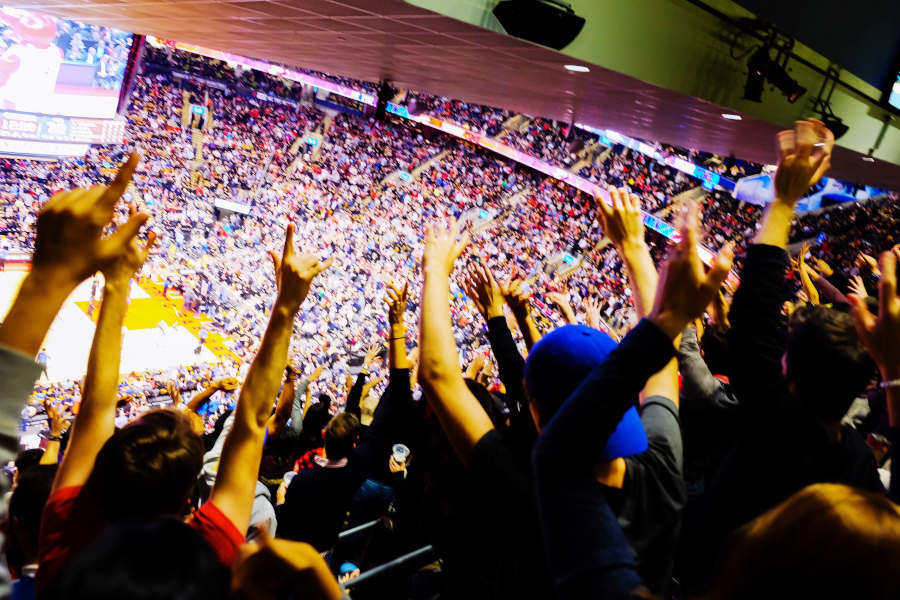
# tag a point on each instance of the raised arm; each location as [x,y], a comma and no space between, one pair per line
[803,156]
[460,414]
[57,418]
[517,297]
[396,300]
[358,390]
[95,422]
[487,295]
[622,223]
[239,465]
[881,337]
[571,504]
[197,401]
[561,301]
[283,407]
[758,333]
[70,247]
[806,272]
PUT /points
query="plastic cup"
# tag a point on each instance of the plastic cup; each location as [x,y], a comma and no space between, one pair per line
[400,453]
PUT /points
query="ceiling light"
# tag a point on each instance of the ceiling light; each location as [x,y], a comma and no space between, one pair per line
[732,117]
[577,68]
[868,159]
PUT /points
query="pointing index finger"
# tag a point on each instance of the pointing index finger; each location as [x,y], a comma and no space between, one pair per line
[121,181]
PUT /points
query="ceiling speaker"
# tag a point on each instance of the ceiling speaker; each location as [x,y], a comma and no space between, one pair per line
[544,22]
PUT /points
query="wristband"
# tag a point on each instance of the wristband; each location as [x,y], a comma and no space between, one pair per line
[893,383]
[54,438]
[402,337]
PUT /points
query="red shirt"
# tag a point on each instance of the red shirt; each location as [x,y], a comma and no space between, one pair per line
[65,531]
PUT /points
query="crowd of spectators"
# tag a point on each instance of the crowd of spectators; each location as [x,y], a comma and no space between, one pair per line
[504,397]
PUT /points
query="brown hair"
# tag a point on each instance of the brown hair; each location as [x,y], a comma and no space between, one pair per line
[340,435]
[825,541]
[148,468]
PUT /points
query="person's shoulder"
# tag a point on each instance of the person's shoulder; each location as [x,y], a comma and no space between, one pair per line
[217,529]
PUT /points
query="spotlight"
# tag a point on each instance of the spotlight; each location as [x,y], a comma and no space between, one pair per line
[763,68]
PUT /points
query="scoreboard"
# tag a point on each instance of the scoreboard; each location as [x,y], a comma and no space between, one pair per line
[48,128]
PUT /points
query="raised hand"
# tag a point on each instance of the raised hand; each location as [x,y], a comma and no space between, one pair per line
[881,335]
[592,316]
[685,290]
[131,256]
[317,373]
[228,384]
[517,296]
[56,416]
[622,222]
[864,260]
[561,301]
[475,366]
[294,272]
[857,287]
[175,394]
[804,154]
[443,245]
[70,244]
[371,355]
[396,300]
[823,267]
[487,295]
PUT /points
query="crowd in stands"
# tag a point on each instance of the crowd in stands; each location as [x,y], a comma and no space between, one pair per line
[583,466]
[504,396]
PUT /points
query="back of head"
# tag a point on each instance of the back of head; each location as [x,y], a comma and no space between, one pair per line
[148,468]
[493,406]
[825,541]
[555,368]
[827,366]
[145,561]
[24,517]
[340,435]
[559,362]
[28,458]
[316,419]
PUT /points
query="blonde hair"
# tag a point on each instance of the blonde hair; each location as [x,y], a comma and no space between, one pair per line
[825,541]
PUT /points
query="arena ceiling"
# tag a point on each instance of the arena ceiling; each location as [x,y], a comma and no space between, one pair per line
[419,49]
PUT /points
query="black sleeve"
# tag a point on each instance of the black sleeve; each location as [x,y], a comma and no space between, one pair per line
[391,412]
[510,363]
[586,549]
[355,396]
[522,432]
[758,334]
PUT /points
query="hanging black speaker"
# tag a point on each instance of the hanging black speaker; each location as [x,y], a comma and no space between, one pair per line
[545,22]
